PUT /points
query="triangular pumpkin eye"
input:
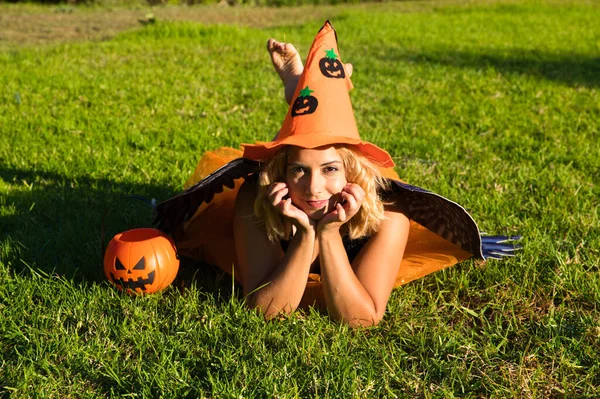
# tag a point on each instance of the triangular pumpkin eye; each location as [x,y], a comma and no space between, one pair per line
[141,265]
[119,265]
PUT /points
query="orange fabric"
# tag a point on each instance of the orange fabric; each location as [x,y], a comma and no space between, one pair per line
[425,252]
[208,236]
[321,112]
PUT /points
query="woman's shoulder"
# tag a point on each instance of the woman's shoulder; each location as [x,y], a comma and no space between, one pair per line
[395,220]
[249,186]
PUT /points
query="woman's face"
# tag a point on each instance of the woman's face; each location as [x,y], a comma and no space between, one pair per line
[315,178]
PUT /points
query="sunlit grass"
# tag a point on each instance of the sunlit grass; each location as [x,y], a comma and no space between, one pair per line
[495,106]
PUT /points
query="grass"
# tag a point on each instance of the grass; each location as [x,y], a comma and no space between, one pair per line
[495,105]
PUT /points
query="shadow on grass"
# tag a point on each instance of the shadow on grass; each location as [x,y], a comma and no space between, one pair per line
[571,69]
[54,226]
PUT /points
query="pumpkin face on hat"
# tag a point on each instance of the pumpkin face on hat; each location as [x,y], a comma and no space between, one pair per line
[305,103]
[331,67]
[141,261]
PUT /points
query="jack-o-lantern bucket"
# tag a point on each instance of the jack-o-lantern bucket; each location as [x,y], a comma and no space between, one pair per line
[141,261]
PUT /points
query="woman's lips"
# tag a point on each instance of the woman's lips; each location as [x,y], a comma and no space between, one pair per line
[317,204]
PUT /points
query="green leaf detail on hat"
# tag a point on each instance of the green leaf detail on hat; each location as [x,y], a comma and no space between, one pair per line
[306,92]
[331,54]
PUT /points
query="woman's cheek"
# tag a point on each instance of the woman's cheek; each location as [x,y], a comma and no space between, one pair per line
[336,189]
[292,189]
[337,186]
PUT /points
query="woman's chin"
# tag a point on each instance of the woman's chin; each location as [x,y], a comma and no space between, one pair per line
[317,214]
[316,217]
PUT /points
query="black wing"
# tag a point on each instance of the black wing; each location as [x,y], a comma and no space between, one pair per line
[448,220]
[173,212]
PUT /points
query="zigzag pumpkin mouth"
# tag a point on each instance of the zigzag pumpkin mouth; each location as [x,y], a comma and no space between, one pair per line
[141,261]
[132,284]
[332,68]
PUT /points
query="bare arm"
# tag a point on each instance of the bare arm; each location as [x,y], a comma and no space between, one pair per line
[358,293]
[274,282]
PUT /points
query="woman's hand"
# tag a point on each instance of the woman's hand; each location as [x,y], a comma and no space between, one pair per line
[351,199]
[276,194]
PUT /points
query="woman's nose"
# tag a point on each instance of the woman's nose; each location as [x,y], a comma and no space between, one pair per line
[314,184]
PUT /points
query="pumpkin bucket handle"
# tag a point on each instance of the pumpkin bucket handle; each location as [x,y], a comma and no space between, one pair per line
[152,203]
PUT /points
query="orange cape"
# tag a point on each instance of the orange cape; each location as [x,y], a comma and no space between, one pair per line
[208,235]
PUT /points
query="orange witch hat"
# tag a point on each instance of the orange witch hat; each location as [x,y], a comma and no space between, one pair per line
[320,113]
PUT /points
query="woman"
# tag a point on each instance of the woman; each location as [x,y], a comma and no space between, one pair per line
[316,192]
[321,217]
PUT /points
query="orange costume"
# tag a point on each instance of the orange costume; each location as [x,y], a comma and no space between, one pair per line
[201,218]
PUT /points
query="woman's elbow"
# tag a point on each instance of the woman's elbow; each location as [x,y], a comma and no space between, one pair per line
[267,308]
[369,320]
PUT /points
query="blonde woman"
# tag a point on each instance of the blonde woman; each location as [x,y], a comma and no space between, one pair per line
[323,203]
[317,216]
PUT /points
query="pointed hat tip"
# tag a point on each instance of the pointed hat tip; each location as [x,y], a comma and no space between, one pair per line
[320,112]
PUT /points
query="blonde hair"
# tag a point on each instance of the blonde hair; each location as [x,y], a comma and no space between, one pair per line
[358,169]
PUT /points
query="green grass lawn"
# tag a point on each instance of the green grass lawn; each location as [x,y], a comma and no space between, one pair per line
[495,105]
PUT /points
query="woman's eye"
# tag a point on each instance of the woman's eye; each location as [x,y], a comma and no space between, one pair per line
[330,169]
[297,170]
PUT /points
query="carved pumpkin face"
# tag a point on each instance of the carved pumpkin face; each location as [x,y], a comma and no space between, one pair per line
[305,103]
[141,261]
[330,66]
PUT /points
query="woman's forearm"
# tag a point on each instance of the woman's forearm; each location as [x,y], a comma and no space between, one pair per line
[345,296]
[282,290]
